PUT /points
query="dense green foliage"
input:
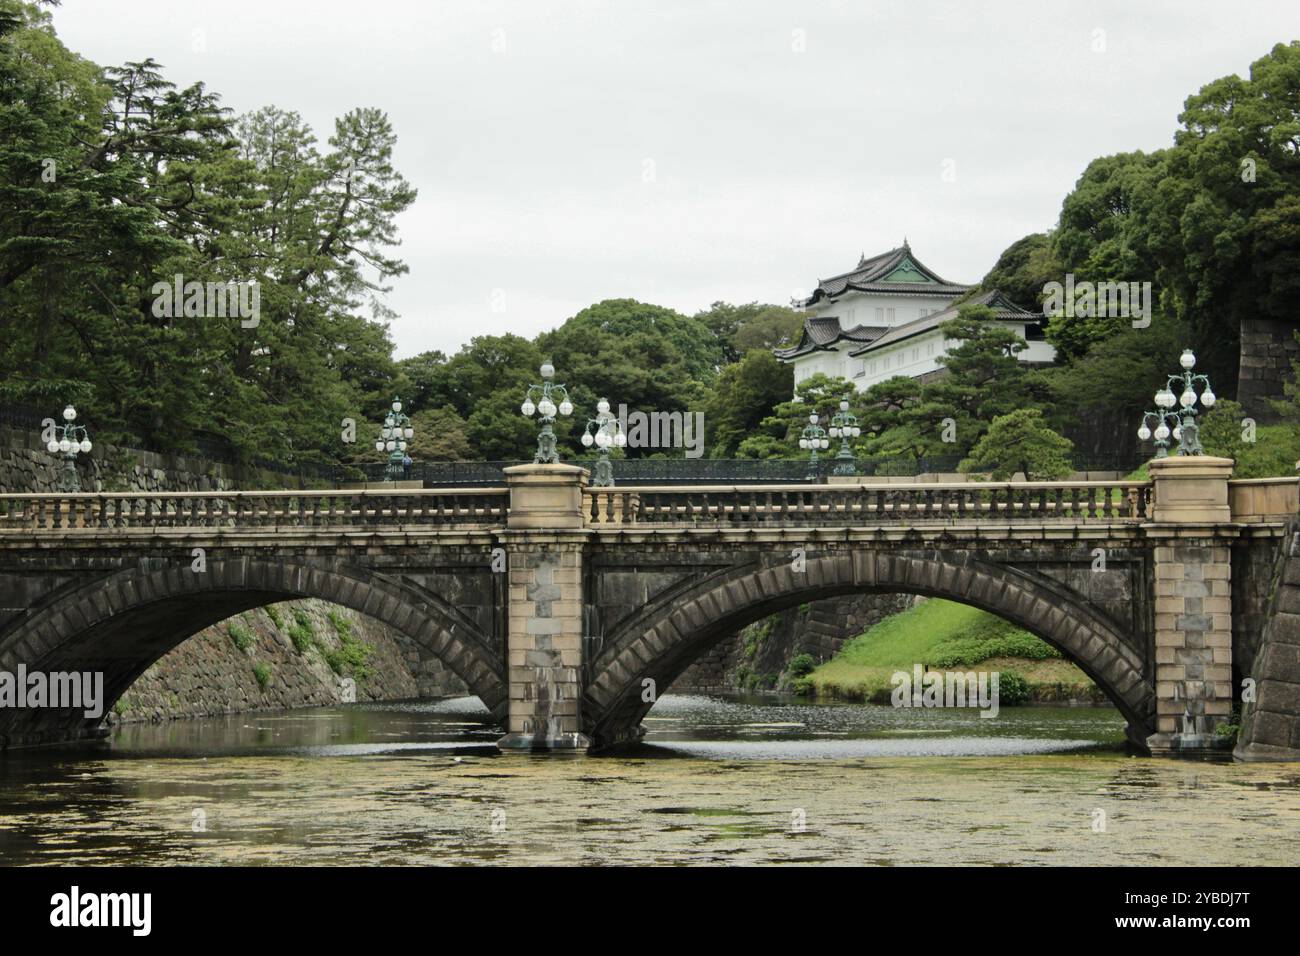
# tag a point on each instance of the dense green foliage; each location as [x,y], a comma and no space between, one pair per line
[1021,442]
[114,180]
[1212,222]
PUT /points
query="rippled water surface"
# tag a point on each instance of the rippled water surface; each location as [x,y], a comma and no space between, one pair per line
[731,781]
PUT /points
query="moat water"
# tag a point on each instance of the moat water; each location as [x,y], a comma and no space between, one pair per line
[718,781]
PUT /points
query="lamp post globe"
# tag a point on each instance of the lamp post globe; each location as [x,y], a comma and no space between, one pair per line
[1177,412]
[844,426]
[68,440]
[395,432]
[813,439]
[545,406]
[605,432]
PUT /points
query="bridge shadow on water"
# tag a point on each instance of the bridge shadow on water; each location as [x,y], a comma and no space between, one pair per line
[724,727]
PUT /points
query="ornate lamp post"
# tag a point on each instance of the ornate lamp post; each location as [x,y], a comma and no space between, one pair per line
[814,438]
[1161,432]
[1186,432]
[604,432]
[397,431]
[69,440]
[844,425]
[546,407]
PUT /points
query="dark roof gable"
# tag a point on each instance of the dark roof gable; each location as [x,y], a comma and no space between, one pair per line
[897,271]
[821,332]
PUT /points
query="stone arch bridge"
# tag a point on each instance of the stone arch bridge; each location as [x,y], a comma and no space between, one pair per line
[565,608]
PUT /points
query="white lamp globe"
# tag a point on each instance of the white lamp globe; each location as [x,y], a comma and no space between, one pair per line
[397,405]
[1187,360]
[1162,432]
[620,440]
[85,446]
[566,407]
[826,443]
[547,370]
[1165,398]
[1144,433]
[547,408]
[602,406]
[528,407]
[390,444]
[387,432]
[587,440]
[1178,433]
[69,413]
[844,404]
[835,432]
[813,418]
[410,432]
[1208,398]
[65,446]
[52,447]
[1187,399]
[379,444]
[856,431]
[401,446]
[803,443]
[602,440]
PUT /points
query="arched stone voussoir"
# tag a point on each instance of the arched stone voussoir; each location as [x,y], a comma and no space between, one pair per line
[681,632]
[123,623]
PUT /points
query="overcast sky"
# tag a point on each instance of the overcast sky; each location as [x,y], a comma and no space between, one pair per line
[681,153]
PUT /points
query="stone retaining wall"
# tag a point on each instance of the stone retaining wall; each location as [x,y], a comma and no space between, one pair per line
[760,654]
[1268,347]
[26,466]
[1270,725]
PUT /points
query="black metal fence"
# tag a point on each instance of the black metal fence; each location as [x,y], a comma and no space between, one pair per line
[628,471]
[706,471]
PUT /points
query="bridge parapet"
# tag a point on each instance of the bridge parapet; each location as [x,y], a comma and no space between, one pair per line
[267,510]
[859,504]
[1258,500]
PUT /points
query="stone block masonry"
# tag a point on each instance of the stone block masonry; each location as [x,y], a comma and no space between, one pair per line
[1193,603]
[1268,349]
[1193,637]
[544,657]
[559,642]
[26,466]
[545,651]
[210,675]
[1270,724]
[820,629]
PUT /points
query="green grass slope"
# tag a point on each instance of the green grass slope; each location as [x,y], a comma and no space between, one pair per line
[944,635]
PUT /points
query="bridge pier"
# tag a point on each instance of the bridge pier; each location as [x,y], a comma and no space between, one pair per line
[1193,603]
[544,539]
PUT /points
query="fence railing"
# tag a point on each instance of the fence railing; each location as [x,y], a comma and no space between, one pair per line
[754,505]
[864,504]
[700,471]
[464,507]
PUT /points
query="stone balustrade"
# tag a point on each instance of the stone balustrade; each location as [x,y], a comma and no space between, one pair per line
[131,511]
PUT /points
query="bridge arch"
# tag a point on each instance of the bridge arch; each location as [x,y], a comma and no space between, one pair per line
[667,636]
[121,624]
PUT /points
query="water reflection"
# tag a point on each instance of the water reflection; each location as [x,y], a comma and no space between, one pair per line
[719,781]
